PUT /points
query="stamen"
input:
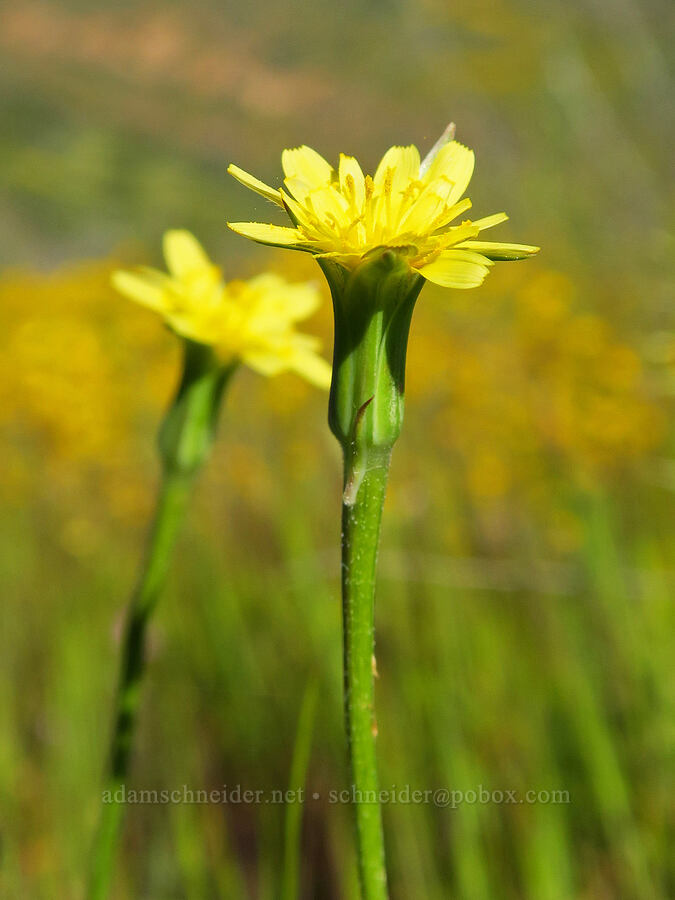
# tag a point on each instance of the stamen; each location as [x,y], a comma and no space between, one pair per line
[424,260]
[407,196]
[440,217]
[388,182]
[354,224]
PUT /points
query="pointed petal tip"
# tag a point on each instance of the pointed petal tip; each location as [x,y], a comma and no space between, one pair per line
[499,251]
[139,287]
[306,164]
[273,235]
[254,184]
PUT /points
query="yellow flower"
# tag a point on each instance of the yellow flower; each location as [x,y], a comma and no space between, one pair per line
[252,321]
[407,206]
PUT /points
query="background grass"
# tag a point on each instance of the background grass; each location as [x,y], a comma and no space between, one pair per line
[524,614]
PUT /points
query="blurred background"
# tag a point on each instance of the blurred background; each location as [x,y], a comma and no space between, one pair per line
[523,617]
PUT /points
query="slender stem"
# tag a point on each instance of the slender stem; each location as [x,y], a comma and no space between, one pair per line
[373,305]
[185,439]
[172,501]
[361,520]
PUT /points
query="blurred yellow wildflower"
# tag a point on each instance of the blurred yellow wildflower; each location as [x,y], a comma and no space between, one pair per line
[514,379]
[536,392]
[252,321]
[407,206]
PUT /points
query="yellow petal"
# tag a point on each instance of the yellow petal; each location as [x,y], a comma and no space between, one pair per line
[457,269]
[190,326]
[452,213]
[184,254]
[494,250]
[405,165]
[491,221]
[297,188]
[255,184]
[301,301]
[307,165]
[447,136]
[455,162]
[329,206]
[293,301]
[352,183]
[297,212]
[458,234]
[263,362]
[140,288]
[441,187]
[423,214]
[312,367]
[274,235]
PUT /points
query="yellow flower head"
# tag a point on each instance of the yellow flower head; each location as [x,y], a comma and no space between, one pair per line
[252,321]
[408,206]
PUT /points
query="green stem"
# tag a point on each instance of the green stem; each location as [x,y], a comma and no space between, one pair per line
[185,439]
[373,306]
[172,501]
[361,520]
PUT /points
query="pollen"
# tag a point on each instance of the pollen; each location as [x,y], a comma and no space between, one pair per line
[388,181]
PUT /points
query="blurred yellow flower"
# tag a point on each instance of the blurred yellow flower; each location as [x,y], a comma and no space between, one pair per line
[252,321]
[519,401]
[406,206]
